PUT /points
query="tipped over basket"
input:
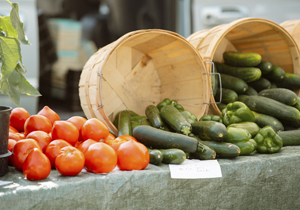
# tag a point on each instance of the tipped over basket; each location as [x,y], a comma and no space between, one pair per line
[293,27]
[142,68]
[257,35]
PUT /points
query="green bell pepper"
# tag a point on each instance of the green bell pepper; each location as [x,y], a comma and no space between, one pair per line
[254,143]
[167,101]
[246,147]
[189,116]
[235,135]
[209,117]
[268,141]
[237,112]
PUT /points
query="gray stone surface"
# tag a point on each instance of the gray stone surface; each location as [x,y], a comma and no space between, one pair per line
[249,182]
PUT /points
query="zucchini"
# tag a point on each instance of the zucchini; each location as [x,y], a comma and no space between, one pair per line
[297,105]
[251,127]
[290,138]
[260,84]
[173,156]
[160,139]
[234,83]
[248,74]
[175,119]
[134,124]
[214,82]
[273,85]
[276,74]
[124,123]
[263,120]
[290,81]
[221,106]
[265,67]
[251,91]
[137,118]
[282,95]
[228,96]
[116,119]
[210,130]
[207,154]
[241,59]
[289,128]
[223,149]
[156,156]
[153,116]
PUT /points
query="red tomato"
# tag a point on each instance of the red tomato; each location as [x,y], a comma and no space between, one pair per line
[85,145]
[115,144]
[132,156]
[13,130]
[36,166]
[11,144]
[41,137]
[109,138]
[16,136]
[78,122]
[69,161]
[18,117]
[100,158]
[66,131]
[53,149]
[127,137]
[50,114]
[21,151]
[94,129]
[37,123]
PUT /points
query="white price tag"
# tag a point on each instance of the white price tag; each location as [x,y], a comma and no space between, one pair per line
[5,182]
[196,169]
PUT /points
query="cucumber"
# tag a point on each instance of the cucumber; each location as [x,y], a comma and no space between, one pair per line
[116,119]
[265,67]
[260,84]
[263,120]
[289,128]
[160,139]
[248,74]
[290,138]
[251,91]
[282,95]
[145,121]
[209,130]
[156,156]
[251,127]
[228,96]
[241,59]
[173,156]
[297,105]
[134,124]
[290,81]
[242,98]
[214,82]
[153,116]
[236,84]
[207,154]
[273,85]
[175,119]
[137,118]
[221,106]
[223,149]
[124,123]
[276,74]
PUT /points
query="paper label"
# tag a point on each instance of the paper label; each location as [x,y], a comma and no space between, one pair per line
[196,169]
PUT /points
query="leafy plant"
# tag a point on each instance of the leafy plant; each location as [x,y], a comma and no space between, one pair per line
[12,80]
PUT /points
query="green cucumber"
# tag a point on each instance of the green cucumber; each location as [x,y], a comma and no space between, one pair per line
[246,147]
[228,96]
[124,123]
[214,82]
[282,95]
[289,128]
[116,119]
[236,84]
[265,67]
[241,59]
[276,74]
[207,154]
[173,156]
[160,139]
[156,156]
[223,149]
[153,116]
[260,84]
[137,118]
[290,81]
[290,138]
[134,124]
[251,91]
[263,120]
[273,85]
[251,127]
[175,119]
[210,130]
[248,74]
[297,105]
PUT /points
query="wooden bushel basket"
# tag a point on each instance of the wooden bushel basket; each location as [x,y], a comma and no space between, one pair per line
[258,35]
[293,27]
[142,68]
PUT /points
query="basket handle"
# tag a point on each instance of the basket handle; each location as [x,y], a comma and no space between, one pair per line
[220,81]
[6,154]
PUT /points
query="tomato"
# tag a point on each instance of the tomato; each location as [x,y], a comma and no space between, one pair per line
[132,156]
[13,130]
[49,113]
[78,122]
[21,151]
[94,129]
[18,117]
[16,136]
[66,131]
[37,123]
[100,158]
[11,144]
[127,137]
[69,161]
[53,149]
[115,143]
[36,166]
[41,137]
[109,138]
[85,145]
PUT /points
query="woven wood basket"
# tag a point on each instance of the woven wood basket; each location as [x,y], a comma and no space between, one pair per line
[142,68]
[258,35]
[293,27]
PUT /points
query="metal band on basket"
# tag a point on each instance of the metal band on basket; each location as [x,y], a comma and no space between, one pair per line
[101,94]
[6,154]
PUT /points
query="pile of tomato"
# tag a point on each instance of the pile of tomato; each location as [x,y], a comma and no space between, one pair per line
[43,142]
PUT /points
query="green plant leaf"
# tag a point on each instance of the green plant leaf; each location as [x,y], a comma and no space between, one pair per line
[6,26]
[18,24]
